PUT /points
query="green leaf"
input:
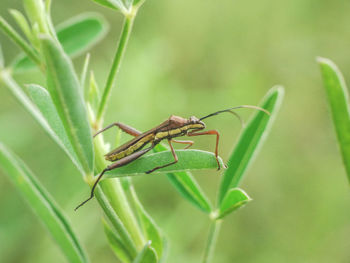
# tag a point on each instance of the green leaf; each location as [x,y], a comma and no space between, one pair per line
[43,101]
[22,23]
[36,12]
[77,35]
[149,227]
[116,244]
[43,205]
[93,94]
[234,199]
[2,60]
[66,94]
[250,141]
[114,4]
[80,33]
[147,255]
[84,71]
[338,98]
[187,186]
[188,160]
[18,40]
[138,3]
[37,115]
[115,220]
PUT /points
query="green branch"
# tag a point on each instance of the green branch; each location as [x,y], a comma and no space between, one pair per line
[127,28]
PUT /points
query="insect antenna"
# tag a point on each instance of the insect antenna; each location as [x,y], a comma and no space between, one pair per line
[230,110]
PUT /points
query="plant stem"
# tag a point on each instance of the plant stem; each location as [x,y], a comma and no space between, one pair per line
[15,37]
[116,200]
[211,242]
[127,27]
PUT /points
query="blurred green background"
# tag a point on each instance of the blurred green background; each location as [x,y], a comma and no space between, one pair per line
[193,57]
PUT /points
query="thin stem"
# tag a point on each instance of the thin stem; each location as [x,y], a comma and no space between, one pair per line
[127,27]
[116,200]
[211,242]
[15,37]
[115,221]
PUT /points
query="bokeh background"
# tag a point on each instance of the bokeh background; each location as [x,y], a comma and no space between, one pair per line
[193,57]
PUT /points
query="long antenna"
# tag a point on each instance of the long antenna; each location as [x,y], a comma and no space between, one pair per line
[234,108]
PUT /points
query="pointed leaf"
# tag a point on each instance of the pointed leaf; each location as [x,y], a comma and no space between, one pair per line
[149,227]
[84,71]
[114,4]
[22,23]
[37,115]
[250,141]
[138,3]
[338,98]
[43,101]
[66,94]
[116,244]
[93,94]
[234,199]
[147,255]
[2,60]
[188,160]
[77,35]
[187,186]
[43,205]
[116,222]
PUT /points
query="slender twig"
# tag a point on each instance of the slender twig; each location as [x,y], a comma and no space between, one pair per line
[116,197]
[15,37]
[127,27]
[211,242]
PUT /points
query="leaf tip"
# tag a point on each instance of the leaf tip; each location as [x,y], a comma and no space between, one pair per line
[327,62]
[322,60]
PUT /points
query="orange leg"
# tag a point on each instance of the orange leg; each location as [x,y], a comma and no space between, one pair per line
[190,143]
[125,128]
[211,132]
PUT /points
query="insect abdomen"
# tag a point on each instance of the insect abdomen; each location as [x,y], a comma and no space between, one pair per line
[114,156]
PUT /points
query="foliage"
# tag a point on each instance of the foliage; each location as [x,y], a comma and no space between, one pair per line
[70,115]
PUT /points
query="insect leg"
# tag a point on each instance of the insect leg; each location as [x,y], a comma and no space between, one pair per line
[190,143]
[211,132]
[175,157]
[125,128]
[119,163]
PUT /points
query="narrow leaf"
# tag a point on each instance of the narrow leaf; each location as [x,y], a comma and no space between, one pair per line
[84,71]
[149,227]
[37,115]
[114,4]
[234,199]
[2,60]
[250,141]
[116,244]
[138,3]
[188,160]
[187,186]
[66,94]
[16,38]
[77,35]
[43,101]
[22,23]
[338,98]
[147,255]
[36,12]
[115,221]
[93,95]
[43,205]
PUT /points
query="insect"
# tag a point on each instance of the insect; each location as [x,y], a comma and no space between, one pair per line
[173,127]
